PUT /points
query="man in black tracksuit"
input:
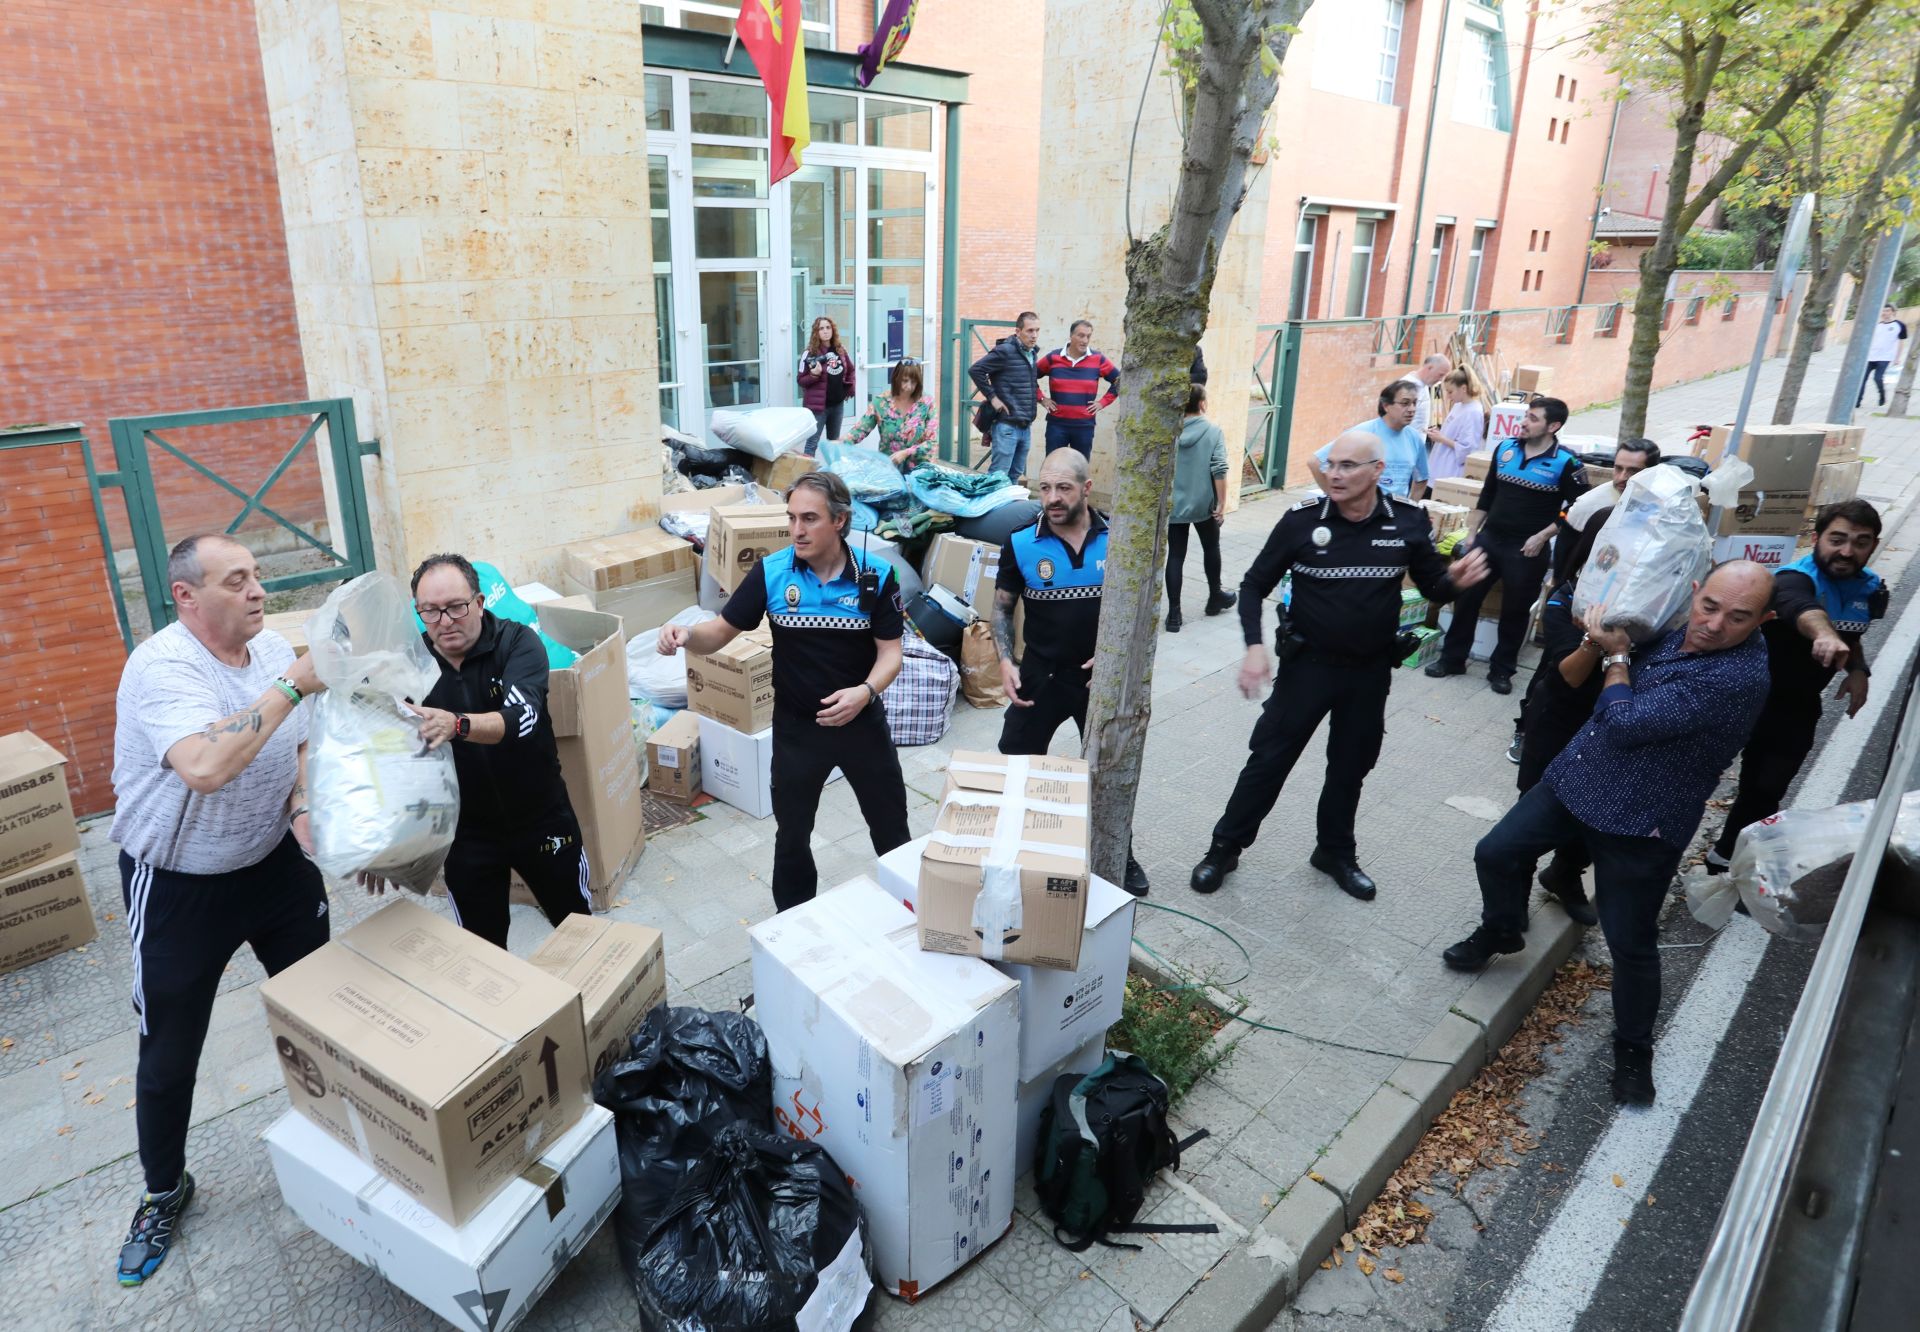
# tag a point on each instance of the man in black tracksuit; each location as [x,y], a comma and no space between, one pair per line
[491,703]
[1348,554]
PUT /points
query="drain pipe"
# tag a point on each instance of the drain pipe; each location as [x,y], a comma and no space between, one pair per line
[1606,170]
[1426,157]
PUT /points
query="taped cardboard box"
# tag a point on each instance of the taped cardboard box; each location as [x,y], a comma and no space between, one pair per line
[43,911]
[1446,518]
[1477,465]
[36,813]
[292,626]
[783,470]
[1840,443]
[1834,482]
[448,1064]
[1457,491]
[902,1064]
[599,757]
[488,1273]
[619,969]
[740,536]
[737,767]
[734,684]
[1766,513]
[1773,553]
[648,604]
[626,558]
[673,759]
[1783,458]
[1004,875]
[964,567]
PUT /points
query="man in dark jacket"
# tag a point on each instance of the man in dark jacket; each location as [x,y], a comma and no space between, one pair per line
[1005,376]
[491,703]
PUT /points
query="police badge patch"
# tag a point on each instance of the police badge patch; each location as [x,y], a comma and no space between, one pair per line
[793,596]
[1321,536]
[1046,570]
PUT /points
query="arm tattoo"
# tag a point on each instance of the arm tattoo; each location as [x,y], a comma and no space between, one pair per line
[235,725]
[1003,603]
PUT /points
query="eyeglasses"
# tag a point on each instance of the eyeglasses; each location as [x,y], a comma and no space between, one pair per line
[1347,468]
[453,610]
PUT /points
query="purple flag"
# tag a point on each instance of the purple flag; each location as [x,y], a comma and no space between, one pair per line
[889,38]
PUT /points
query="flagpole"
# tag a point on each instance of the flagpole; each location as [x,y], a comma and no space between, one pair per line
[732,41]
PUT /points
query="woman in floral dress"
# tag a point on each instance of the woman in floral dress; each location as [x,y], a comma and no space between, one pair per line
[904,417]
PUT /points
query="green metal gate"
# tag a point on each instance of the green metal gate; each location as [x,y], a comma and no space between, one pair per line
[1270,408]
[350,551]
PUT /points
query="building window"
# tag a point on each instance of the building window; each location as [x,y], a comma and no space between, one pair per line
[1470,293]
[1533,240]
[1436,263]
[1360,268]
[1553,127]
[1302,288]
[1359,54]
[1526,279]
[1560,85]
[1733,304]
[816,18]
[1573,90]
[1480,88]
[1565,126]
[1546,239]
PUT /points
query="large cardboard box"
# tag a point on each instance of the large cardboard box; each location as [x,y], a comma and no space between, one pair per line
[737,767]
[1506,420]
[1766,513]
[619,969]
[36,814]
[1038,1090]
[627,558]
[599,758]
[1834,482]
[963,567]
[43,911]
[485,1274]
[740,536]
[735,684]
[1059,1010]
[1027,903]
[1457,490]
[292,626]
[1774,552]
[1783,457]
[902,1064]
[1446,518]
[448,1064]
[1532,378]
[646,605]
[673,759]
[1477,465]
[783,470]
[1839,443]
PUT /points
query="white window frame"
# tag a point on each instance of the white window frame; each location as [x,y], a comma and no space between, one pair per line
[1478,100]
[1476,265]
[1442,233]
[1393,23]
[1300,295]
[1365,270]
[673,16]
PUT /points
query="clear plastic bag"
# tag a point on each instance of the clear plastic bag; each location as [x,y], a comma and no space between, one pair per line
[1647,557]
[383,802]
[870,475]
[1789,867]
[692,524]
[659,679]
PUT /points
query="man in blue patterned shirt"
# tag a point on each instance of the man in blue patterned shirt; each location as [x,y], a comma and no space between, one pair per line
[1632,787]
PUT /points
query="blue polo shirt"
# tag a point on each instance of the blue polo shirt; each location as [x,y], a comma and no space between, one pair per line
[1523,495]
[823,641]
[1061,587]
[1405,452]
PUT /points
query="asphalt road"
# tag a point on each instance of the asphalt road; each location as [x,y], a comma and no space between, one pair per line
[1497,1260]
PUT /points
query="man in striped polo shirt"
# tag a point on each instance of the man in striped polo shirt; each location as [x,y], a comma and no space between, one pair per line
[1073,374]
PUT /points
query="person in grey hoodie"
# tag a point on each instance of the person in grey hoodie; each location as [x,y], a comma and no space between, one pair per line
[1199,502]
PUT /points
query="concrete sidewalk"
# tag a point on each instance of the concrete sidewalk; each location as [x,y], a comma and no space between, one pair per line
[1378,1033]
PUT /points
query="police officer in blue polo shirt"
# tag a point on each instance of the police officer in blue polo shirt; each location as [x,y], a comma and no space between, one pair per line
[836,616]
[1533,480]
[1058,568]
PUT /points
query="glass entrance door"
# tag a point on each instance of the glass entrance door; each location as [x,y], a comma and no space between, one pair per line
[896,287]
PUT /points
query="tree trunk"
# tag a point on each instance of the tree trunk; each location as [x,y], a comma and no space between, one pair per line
[1656,270]
[1897,403]
[1169,288]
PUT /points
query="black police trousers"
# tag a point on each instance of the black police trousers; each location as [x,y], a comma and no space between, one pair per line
[185,929]
[1520,575]
[550,856]
[804,753]
[1352,695]
[1782,739]
[1057,694]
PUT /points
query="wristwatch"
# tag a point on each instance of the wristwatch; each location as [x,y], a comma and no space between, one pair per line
[1617,659]
[462,725]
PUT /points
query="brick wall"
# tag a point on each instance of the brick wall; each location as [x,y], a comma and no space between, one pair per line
[58,637]
[142,262]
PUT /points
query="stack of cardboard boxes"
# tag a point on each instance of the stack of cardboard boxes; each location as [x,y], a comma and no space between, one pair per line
[43,900]
[1766,524]
[443,1129]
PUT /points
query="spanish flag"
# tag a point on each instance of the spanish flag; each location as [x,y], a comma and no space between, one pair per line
[770,30]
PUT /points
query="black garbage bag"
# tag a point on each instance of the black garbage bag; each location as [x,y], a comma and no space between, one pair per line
[709,460]
[735,475]
[688,1074]
[997,525]
[762,1232]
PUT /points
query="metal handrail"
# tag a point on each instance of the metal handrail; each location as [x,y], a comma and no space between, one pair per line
[1750,1218]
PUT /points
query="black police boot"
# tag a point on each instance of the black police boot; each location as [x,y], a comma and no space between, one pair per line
[1565,887]
[1136,880]
[1221,601]
[1501,683]
[1632,1074]
[1481,947]
[1173,620]
[1440,668]
[1212,871]
[1345,871]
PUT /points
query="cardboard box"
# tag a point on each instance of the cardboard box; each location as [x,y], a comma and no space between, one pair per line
[292,626]
[782,471]
[1427,651]
[43,911]
[599,758]
[487,1273]
[646,605]
[1832,483]
[1414,608]
[1059,1010]
[963,567]
[1506,420]
[1458,491]
[1783,457]
[620,970]
[448,1064]
[1446,518]
[1766,513]
[737,767]
[1041,803]
[902,1064]
[626,559]
[740,536]
[1477,466]
[735,684]
[694,501]
[673,759]
[1532,378]
[36,813]
[1033,1096]
[1775,552]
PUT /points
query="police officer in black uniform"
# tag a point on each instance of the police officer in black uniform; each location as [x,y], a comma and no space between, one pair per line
[1058,568]
[837,620]
[1338,646]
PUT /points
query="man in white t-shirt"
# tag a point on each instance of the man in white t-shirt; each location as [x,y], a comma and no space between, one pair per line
[209,780]
[1882,352]
[1432,370]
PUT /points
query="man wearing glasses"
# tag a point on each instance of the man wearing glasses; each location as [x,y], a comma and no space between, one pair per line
[491,703]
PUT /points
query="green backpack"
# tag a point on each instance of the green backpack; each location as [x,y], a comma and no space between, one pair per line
[1103,1136]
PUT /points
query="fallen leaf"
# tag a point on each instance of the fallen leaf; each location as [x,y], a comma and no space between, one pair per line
[1365,1264]
[6,1042]
[1619,1183]
[1346,1241]
[95,1099]
[1326,1264]
[1395,1275]
[1336,1258]
[130,1101]
[1316,1177]
[63,1131]
[70,1075]
[240,1086]
[1649,1200]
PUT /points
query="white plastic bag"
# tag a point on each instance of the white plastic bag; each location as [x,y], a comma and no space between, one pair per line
[1789,867]
[1648,556]
[765,432]
[658,679]
[383,803]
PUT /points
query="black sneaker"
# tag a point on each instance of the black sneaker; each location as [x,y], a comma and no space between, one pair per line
[1174,621]
[1221,601]
[1481,947]
[1439,668]
[1501,684]
[151,1233]
[1632,1074]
